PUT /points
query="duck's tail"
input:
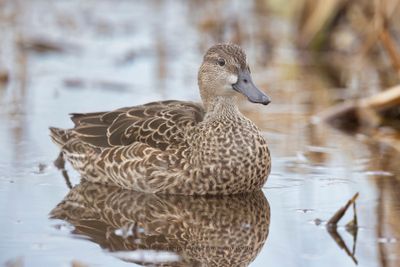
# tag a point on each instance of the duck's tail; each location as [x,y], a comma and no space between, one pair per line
[59,136]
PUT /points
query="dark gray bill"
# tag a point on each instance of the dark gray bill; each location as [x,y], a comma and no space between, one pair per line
[245,86]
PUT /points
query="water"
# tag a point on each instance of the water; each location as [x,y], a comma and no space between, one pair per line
[104,55]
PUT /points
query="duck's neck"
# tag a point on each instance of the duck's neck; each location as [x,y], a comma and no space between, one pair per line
[222,106]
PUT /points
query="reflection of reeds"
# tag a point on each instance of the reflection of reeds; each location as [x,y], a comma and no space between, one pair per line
[16,70]
[387,209]
[161,64]
[4,77]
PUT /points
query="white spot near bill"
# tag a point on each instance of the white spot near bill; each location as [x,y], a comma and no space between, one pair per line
[232,79]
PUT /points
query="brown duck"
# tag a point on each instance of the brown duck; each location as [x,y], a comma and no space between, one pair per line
[196,230]
[177,147]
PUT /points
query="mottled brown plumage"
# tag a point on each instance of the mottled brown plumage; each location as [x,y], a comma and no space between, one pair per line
[202,231]
[177,147]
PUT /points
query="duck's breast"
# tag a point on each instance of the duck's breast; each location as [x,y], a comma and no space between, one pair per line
[232,151]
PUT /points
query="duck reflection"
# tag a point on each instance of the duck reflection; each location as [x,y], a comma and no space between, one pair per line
[199,231]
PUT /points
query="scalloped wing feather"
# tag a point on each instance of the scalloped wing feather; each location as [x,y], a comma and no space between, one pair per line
[158,124]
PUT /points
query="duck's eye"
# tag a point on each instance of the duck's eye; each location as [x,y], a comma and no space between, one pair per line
[221,62]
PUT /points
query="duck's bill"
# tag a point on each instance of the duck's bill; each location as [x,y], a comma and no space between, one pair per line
[245,86]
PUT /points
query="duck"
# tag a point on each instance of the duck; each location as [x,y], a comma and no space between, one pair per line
[221,230]
[177,147]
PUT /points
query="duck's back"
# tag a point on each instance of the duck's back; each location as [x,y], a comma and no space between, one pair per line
[161,125]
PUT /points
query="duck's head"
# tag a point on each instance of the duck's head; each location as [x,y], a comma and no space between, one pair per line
[225,72]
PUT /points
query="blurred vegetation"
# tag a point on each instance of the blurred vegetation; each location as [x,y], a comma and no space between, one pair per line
[348,37]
